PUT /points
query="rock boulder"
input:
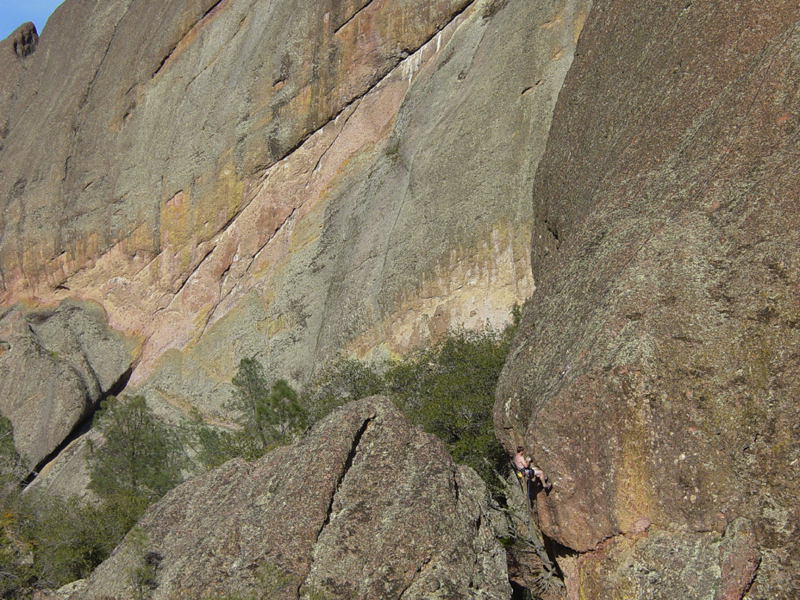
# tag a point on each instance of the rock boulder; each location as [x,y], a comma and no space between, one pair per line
[55,365]
[366,506]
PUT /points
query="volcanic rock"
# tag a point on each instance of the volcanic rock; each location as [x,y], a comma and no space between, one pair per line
[55,365]
[366,506]
[276,178]
[656,375]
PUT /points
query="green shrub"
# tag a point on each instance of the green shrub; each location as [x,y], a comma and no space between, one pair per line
[344,380]
[139,457]
[12,466]
[71,537]
[446,389]
[268,416]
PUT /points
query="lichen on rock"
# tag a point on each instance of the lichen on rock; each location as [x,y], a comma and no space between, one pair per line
[655,374]
[364,506]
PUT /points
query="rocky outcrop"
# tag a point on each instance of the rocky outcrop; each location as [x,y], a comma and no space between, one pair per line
[656,374]
[55,366]
[281,179]
[67,474]
[366,506]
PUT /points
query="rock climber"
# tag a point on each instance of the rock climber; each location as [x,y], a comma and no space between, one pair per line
[532,475]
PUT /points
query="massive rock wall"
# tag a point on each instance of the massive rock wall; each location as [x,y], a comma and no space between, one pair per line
[279,179]
[656,375]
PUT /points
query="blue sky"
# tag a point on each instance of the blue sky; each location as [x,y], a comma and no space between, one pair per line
[14,13]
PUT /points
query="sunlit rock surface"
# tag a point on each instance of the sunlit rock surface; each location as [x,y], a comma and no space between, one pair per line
[366,506]
[55,367]
[280,179]
[656,375]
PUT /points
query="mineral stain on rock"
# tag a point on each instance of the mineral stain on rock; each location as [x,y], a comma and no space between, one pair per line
[296,180]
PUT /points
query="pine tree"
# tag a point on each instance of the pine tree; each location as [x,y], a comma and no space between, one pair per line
[139,458]
[270,414]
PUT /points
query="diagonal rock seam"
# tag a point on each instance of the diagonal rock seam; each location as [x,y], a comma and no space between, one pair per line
[189,31]
[353,103]
[378,79]
[353,16]
[82,426]
[89,87]
[348,463]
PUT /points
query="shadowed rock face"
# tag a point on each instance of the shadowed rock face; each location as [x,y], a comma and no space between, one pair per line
[55,366]
[366,506]
[656,375]
[275,178]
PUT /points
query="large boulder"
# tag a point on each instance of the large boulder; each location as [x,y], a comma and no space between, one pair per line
[366,506]
[55,366]
[656,374]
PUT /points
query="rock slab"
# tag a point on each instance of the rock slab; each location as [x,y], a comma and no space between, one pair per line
[55,365]
[277,178]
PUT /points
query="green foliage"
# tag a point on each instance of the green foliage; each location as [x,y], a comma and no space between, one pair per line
[139,458]
[142,572]
[447,389]
[268,416]
[72,537]
[345,380]
[213,446]
[48,541]
[12,466]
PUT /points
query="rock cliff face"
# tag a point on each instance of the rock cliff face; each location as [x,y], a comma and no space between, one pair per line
[274,178]
[365,506]
[55,366]
[656,375]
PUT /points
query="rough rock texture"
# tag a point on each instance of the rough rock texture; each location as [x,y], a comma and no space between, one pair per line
[366,506]
[274,178]
[68,473]
[55,365]
[656,376]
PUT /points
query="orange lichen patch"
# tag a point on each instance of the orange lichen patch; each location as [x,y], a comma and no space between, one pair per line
[174,220]
[223,238]
[634,481]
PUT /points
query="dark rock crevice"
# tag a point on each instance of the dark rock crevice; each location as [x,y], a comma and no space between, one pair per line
[85,97]
[353,16]
[81,427]
[347,464]
[189,31]
[377,80]
[24,41]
